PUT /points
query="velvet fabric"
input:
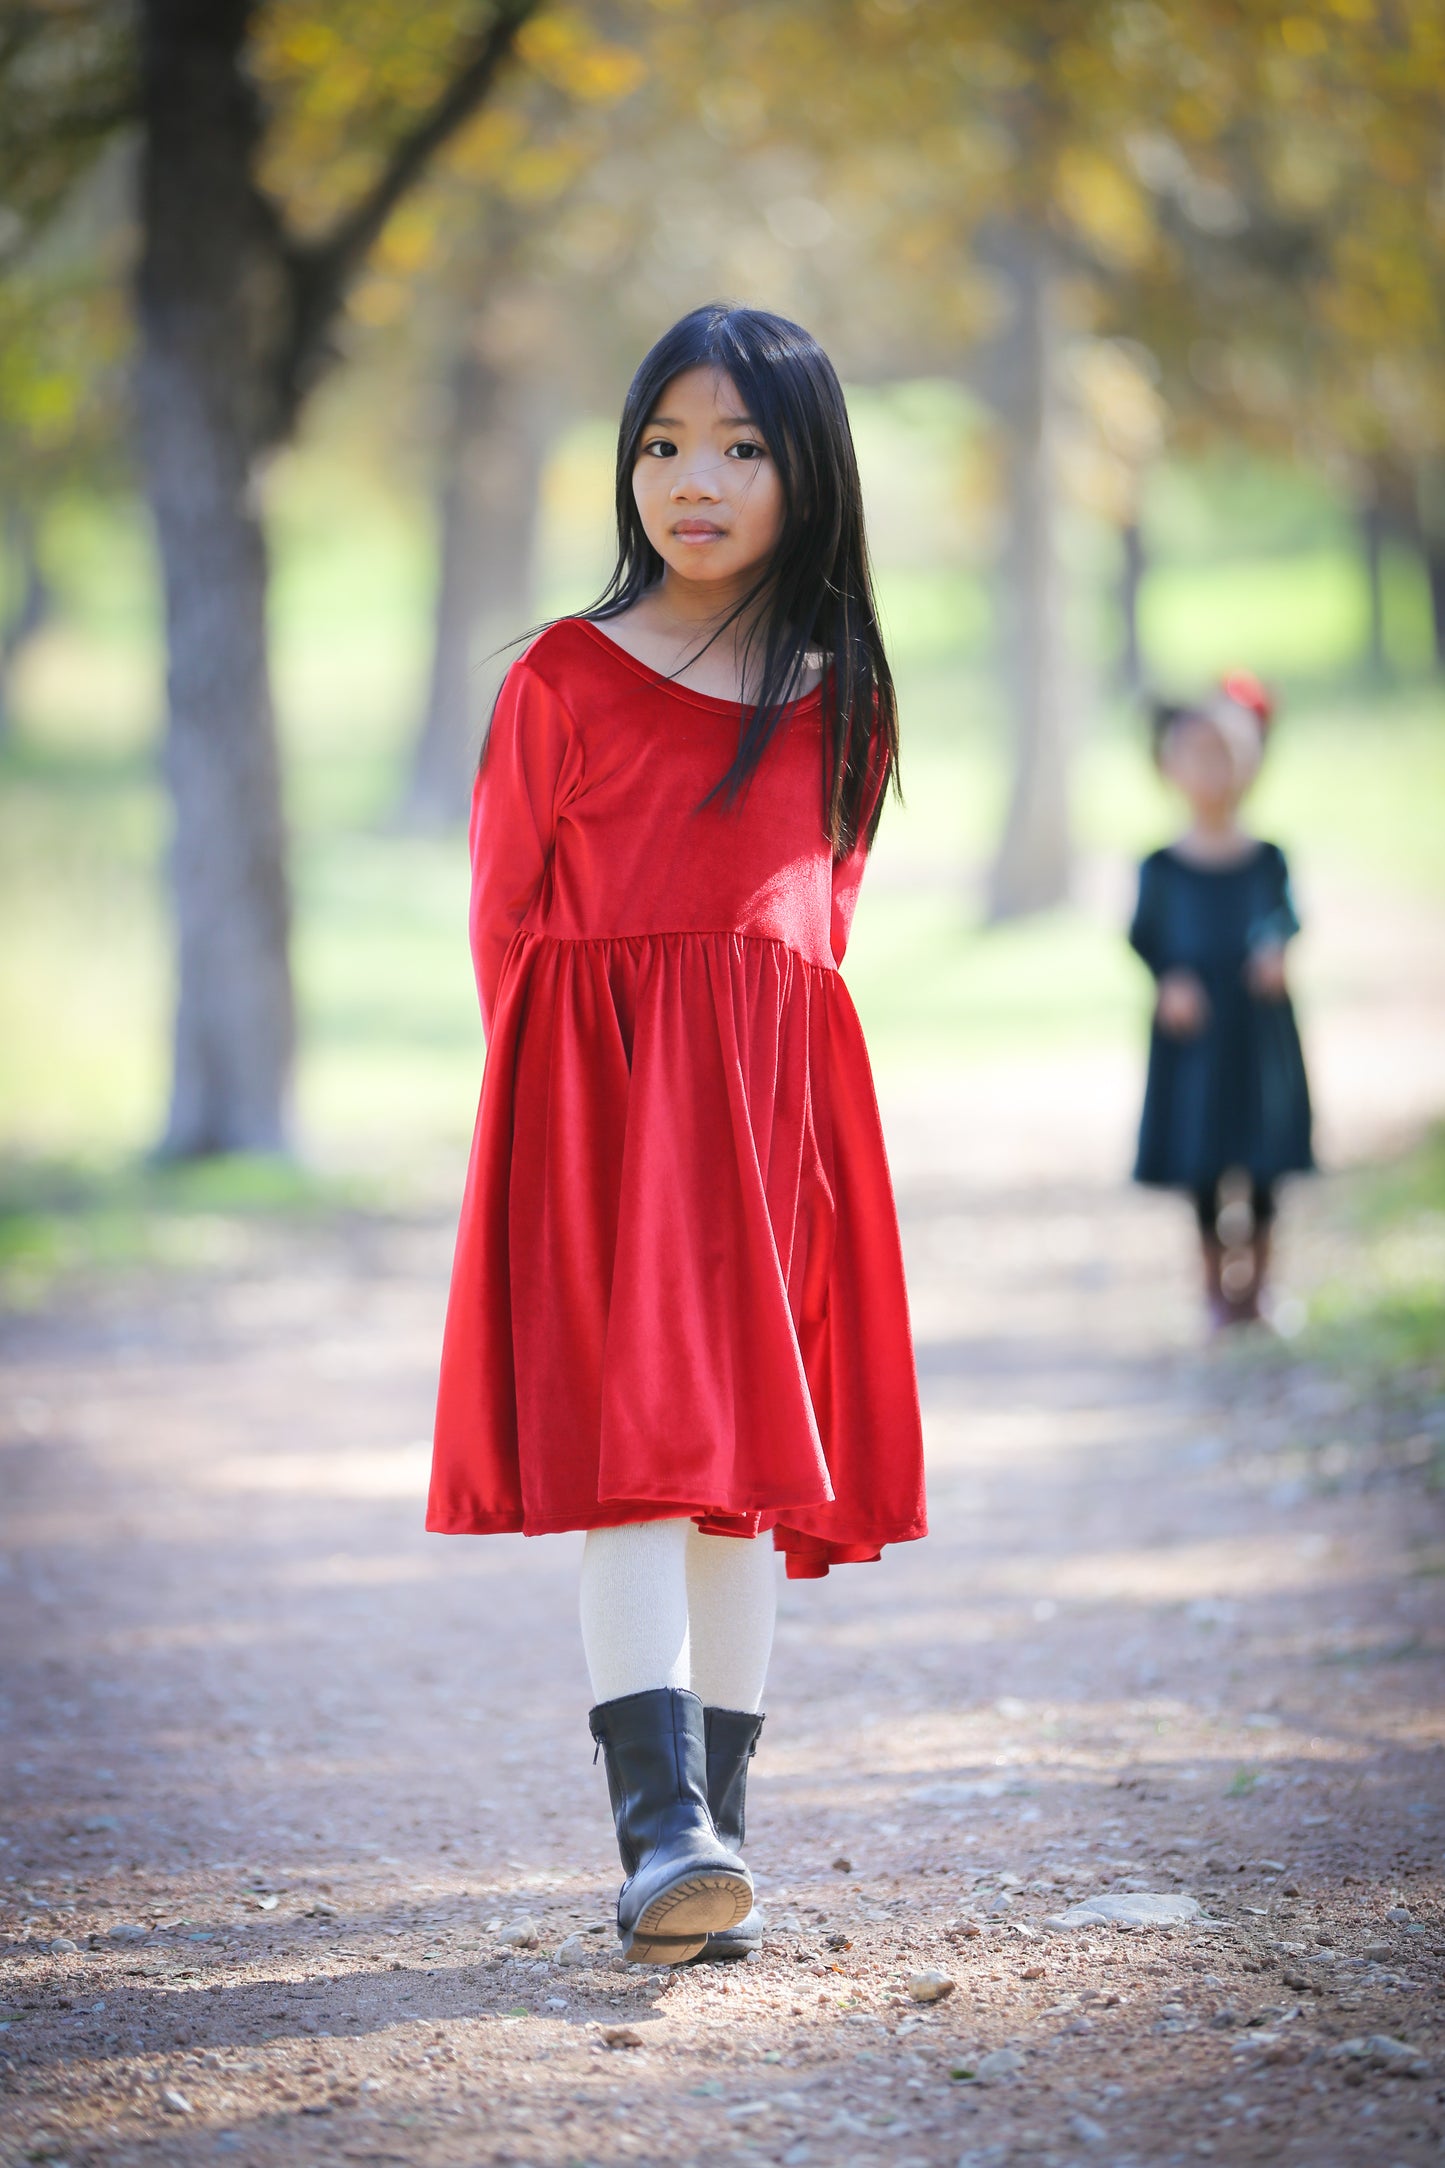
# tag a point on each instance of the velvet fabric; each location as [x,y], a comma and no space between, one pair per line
[678,1285]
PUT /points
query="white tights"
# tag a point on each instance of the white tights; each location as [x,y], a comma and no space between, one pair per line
[665,1605]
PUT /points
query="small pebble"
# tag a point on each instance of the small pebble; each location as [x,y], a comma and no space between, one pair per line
[521,1935]
[1139,1908]
[1001,2063]
[1087,2131]
[175,2103]
[621,2036]
[575,1951]
[930,1986]
[842,1866]
[1395,2056]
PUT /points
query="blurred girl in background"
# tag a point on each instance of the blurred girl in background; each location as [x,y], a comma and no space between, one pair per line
[1226,1106]
[677,1314]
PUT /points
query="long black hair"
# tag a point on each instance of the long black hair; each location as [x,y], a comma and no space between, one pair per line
[815,590]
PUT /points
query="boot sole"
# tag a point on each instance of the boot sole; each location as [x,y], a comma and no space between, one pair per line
[727,1948]
[677,1923]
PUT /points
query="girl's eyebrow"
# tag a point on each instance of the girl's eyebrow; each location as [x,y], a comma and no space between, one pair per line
[671,421]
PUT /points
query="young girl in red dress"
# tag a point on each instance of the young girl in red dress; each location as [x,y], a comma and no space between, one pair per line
[677,1315]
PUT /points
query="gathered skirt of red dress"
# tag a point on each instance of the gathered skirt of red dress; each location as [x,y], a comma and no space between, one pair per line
[678,1285]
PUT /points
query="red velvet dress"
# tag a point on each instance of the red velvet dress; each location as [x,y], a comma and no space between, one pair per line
[678,1287]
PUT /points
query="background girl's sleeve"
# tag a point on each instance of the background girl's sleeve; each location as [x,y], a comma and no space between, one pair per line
[1279,921]
[514,818]
[1145,931]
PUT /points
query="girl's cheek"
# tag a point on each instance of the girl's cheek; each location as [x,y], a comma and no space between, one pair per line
[767,513]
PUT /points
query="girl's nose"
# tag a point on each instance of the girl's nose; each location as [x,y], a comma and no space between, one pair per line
[696,482]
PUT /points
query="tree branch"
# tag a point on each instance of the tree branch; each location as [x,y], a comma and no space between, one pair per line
[322,271]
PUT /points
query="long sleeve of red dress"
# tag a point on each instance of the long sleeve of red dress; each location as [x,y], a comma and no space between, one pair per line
[678,1286]
[530,746]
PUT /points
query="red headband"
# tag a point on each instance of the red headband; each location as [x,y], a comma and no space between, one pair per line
[1246,691]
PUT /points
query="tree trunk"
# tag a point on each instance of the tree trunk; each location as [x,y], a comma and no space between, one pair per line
[494,458]
[1430,528]
[206,264]
[1131,582]
[1432,550]
[1371,519]
[1033,865]
[28,602]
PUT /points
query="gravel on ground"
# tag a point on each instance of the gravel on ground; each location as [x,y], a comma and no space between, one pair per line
[1103,1826]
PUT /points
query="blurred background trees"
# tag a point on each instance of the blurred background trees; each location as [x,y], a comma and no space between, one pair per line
[63,319]
[1053,249]
[239,294]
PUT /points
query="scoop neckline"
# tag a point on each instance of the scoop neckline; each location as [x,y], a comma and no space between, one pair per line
[1224,865]
[663,683]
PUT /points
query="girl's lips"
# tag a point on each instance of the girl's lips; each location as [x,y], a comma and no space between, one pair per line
[697,530]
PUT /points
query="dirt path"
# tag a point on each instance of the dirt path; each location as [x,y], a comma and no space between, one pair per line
[280,1767]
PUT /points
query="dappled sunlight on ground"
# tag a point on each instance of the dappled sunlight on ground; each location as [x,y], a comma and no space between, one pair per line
[282,1769]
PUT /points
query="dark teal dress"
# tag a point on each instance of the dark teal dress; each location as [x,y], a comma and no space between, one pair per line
[1235,1095]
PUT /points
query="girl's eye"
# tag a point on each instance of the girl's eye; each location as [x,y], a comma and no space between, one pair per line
[747,450]
[659,448]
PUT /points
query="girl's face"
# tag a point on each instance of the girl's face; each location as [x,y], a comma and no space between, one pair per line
[1211,762]
[708,493]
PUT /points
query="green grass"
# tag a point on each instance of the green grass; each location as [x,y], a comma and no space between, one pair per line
[83,982]
[1383,1315]
[1299,617]
[391,1046]
[1354,782]
[933,985]
[68,1219]
[1369,1255]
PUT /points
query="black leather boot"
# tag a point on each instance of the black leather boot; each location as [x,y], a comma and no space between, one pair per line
[732,1741]
[682,1882]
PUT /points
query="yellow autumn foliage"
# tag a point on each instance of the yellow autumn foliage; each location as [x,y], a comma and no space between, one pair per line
[1104,201]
